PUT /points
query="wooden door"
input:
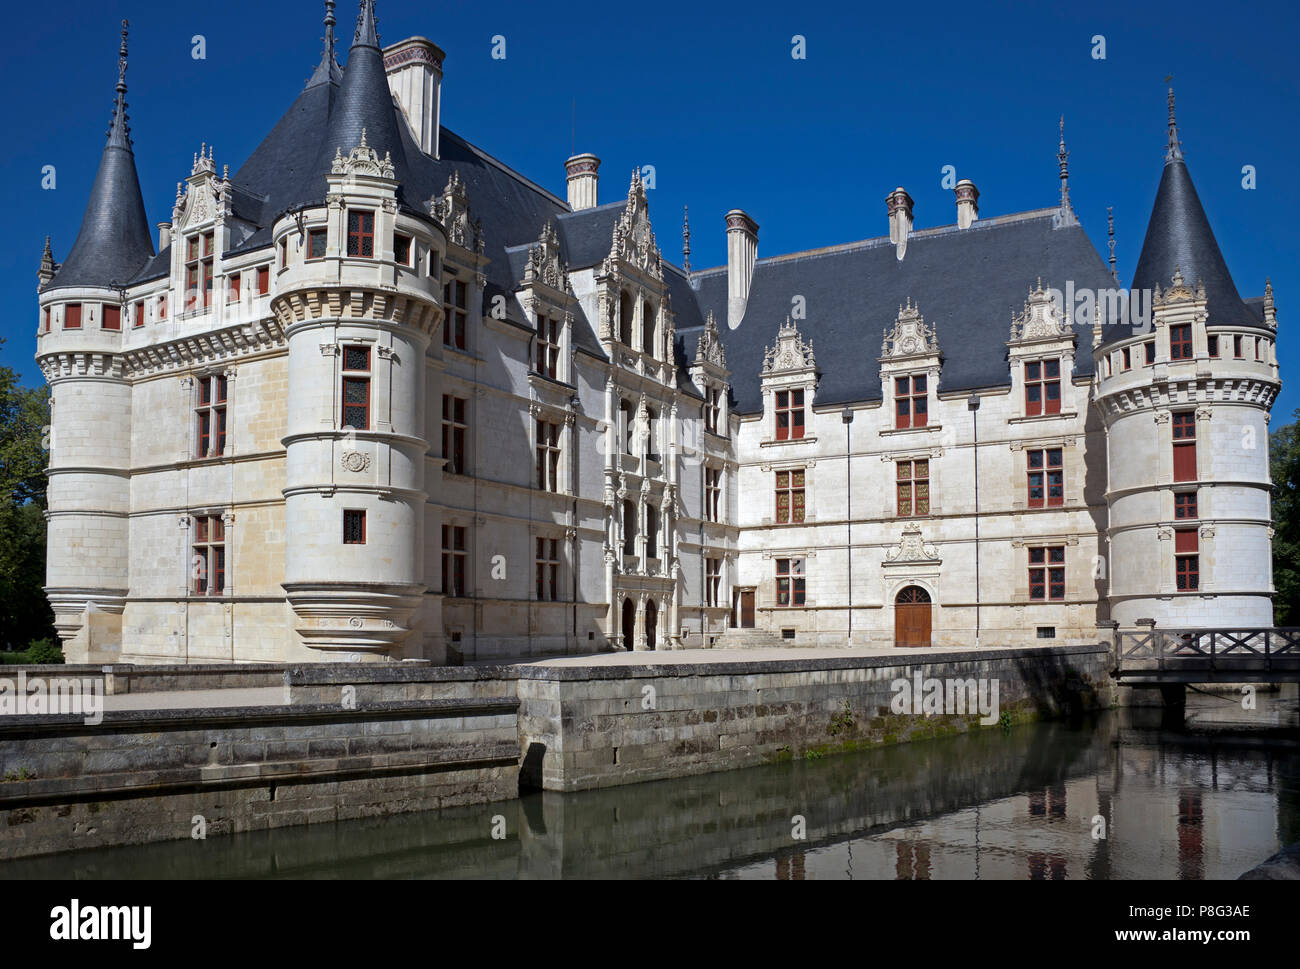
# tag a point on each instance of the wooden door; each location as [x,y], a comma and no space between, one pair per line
[912,617]
[745,608]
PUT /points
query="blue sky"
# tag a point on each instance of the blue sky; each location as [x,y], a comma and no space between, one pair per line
[710,96]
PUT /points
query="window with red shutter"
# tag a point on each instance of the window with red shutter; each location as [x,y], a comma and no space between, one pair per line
[72,316]
[1187,568]
[263,280]
[112,318]
[139,313]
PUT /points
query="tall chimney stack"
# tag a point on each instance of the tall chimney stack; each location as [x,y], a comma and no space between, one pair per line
[582,176]
[164,235]
[899,204]
[968,203]
[414,68]
[742,252]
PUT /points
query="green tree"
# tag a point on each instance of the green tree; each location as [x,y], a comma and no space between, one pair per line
[25,614]
[1284,460]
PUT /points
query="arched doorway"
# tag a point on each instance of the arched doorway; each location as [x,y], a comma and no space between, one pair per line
[629,624]
[912,617]
[651,613]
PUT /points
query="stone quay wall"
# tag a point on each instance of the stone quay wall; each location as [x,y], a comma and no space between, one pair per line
[584,727]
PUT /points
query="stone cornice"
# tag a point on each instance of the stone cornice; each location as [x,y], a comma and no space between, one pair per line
[204,348]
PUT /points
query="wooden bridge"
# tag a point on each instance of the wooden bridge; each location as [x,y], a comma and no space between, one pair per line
[1171,657]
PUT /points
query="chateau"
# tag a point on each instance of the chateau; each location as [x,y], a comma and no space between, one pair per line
[375,395]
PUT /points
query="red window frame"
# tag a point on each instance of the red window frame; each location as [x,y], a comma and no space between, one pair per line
[211,413]
[1047,573]
[1187,565]
[454,558]
[198,269]
[1185,505]
[72,316]
[1180,341]
[789,415]
[790,496]
[354,526]
[209,571]
[791,583]
[1184,438]
[317,240]
[1043,386]
[112,318]
[913,488]
[911,401]
[547,563]
[162,307]
[232,287]
[454,426]
[263,280]
[455,300]
[361,233]
[139,314]
[356,387]
[1046,477]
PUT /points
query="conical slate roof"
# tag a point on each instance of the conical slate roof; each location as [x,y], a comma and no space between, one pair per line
[114,241]
[1179,238]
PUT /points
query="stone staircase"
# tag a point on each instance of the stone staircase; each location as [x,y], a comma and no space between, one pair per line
[751,639]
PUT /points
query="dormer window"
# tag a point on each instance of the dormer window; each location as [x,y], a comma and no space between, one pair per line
[548,345]
[198,270]
[789,415]
[455,300]
[1043,386]
[316,239]
[361,234]
[911,403]
[713,408]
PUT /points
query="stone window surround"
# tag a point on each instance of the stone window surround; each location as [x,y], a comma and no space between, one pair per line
[769,473]
[1073,591]
[1070,472]
[187,528]
[1205,553]
[190,397]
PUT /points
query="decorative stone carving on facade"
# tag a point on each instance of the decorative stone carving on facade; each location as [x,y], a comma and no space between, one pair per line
[634,239]
[1041,318]
[544,264]
[912,547]
[355,460]
[362,160]
[1207,531]
[452,210]
[789,352]
[709,349]
[205,196]
[911,335]
[1178,291]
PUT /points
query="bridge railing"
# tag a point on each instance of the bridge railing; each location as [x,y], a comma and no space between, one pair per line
[1213,648]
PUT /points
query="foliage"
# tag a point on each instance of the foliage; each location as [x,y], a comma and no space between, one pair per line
[24,417]
[842,721]
[1284,461]
[45,652]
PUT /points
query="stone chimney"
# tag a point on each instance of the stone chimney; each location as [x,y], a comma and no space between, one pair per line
[581,171]
[900,219]
[164,235]
[968,203]
[414,68]
[742,252]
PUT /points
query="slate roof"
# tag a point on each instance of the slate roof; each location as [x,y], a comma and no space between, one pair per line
[967,283]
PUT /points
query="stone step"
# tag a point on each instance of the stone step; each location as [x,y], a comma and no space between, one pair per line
[749,639]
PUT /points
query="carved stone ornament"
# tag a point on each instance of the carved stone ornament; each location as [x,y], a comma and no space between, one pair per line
[634,239]
[544,263]
[789,352]
[355,460]
[911,335]
[362,160]
[912,547]
[452,210]
[709,348]
[1178,291]
[1041,317]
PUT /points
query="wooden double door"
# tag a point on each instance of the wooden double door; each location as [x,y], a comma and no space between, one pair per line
[912,617]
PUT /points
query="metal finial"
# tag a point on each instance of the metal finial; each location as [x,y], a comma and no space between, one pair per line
[329,28]
[1174,151]
[1063,161]
[1110,240]
[119,131]
[121,60]
[686,239]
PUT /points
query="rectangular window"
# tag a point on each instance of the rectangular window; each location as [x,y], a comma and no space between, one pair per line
[455,300]
[712,493]
[316,239]
[547,569]
[789,582]
[454,557]
[1236,347]
[263,280]
[284,253]
[1149,351]
[789,415]
[1046,478]
[911,407]
[1128,360]
[354,526]
[112,319]
[913,488]
[1185,504]
[453,433]
[356,388]
[1047,572]
[45,320]
[198,271]
[1180,342]
[1213,343]
[789,496]
[162,307]
[548,456]
[211,417]
[1184,424]
[139,314]
[1187,568]
[1043,386]
[72,316]
[209,562]
[361,234]
[401,249]
[232,287]
[548,345]
[712,408]
[712,581]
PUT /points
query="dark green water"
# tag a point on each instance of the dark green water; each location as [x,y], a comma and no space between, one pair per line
[1209,799]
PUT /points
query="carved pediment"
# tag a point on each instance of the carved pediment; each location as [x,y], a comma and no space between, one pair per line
[362,160]
[202,197]
[634,238]
[452,210]
[544,264]
[911,335]
[1040,319]
[1178,291]
[709,349]
[789,352]
[912,547]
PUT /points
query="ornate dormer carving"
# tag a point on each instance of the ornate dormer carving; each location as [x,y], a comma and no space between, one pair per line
[452,210]
[709,349]
[789,352]
[911,336]
[1270,310]
[912,547]
[1041,318]
[362,160]
[544,265]
[205,197]
[634,239]
[1178,291]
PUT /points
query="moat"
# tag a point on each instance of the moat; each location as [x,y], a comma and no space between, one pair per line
[1113,796]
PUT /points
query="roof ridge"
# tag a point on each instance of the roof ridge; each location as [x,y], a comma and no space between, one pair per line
[513,173]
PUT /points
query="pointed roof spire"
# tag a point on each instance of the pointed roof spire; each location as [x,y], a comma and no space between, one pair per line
[46,272]
[1063,161]
[328,69]
[114,240]
[367,34]
[686,239]
[1174,150]
[1179,240]
[1110,240]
